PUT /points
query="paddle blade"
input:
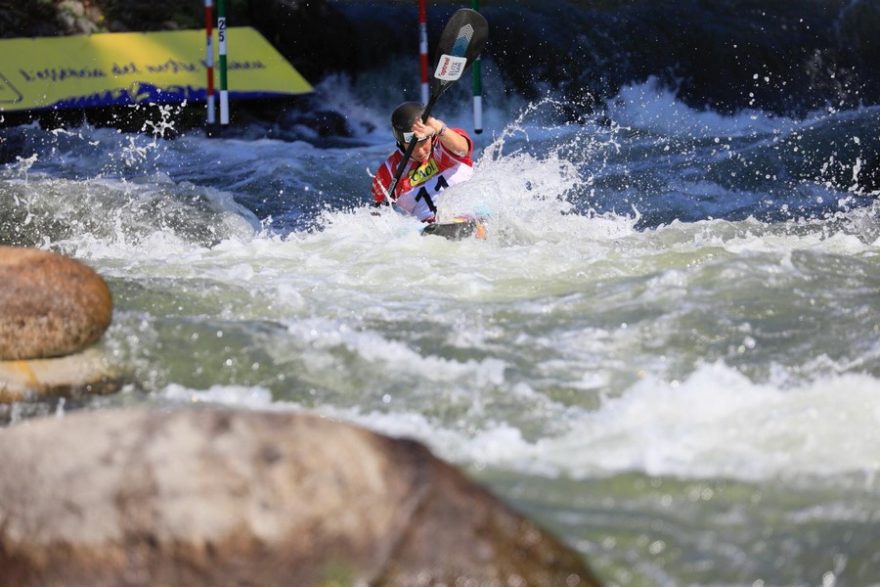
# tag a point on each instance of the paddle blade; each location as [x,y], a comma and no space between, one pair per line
[461,43]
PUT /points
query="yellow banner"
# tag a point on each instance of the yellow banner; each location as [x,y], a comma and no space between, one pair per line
[132,68]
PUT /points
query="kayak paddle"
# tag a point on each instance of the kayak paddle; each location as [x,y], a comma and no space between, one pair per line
[460,44]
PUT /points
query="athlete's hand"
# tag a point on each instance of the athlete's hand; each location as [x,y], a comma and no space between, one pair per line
[426,129]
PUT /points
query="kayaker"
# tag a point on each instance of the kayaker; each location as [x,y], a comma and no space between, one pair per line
[442,157]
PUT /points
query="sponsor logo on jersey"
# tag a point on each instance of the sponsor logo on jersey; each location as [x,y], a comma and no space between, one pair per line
[424,172]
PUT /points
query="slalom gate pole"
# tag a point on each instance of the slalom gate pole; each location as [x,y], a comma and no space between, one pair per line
[209,57]
[423,48]
[478,85]
[221,37]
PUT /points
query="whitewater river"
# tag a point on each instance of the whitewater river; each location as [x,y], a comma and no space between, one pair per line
[667,350]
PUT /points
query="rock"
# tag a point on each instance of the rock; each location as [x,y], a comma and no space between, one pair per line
[134,15]
[301,30]
[50,305]
[325,123]
[88,372]
[29,19]
[212,497]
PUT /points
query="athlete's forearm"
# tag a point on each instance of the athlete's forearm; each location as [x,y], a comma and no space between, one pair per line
[448,137]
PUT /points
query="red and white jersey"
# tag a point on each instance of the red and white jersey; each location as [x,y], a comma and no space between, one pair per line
[421,183]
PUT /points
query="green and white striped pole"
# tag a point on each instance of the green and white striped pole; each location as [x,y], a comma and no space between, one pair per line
[221,37]
[478,85]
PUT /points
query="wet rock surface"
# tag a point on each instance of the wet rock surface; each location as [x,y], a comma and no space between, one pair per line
[50,305]
[216,497]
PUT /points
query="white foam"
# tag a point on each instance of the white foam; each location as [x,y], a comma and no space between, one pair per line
[255,398]
[322,334]
[716,423]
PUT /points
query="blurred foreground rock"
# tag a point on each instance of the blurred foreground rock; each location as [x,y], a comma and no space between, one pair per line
[214,497]
[50,305]
[89,372]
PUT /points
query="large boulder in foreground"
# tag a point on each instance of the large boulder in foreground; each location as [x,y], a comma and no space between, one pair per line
[50,305]
[212,497]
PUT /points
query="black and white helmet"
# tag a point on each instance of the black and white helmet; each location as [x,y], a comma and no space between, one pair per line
[402,120]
